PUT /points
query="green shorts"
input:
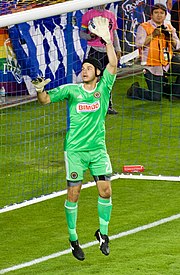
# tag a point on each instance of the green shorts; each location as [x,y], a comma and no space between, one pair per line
[77,163]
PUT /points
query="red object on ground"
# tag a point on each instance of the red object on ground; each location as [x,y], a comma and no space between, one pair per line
[133,168]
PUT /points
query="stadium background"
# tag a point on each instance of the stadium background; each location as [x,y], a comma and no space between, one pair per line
[50,57]
[39,231]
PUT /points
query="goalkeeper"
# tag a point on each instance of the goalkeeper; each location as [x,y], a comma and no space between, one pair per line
[84,145]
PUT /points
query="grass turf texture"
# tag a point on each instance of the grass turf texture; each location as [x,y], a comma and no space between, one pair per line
[32,164]
[40,230]
[32,160]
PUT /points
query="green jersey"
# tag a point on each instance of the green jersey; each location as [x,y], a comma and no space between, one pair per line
[87,111]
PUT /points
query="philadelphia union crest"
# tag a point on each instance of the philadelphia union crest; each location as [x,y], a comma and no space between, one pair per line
[97,94]
[74,175]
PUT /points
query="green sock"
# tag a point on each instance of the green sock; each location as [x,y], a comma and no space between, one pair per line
[104,212]
[71,209]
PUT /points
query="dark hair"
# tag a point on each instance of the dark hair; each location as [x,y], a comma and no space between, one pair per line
[96,63]
[159,6]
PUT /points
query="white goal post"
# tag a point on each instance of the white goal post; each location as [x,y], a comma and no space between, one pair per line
[52,10]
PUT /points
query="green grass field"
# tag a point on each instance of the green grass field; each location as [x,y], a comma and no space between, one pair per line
[40,230]
[32,164]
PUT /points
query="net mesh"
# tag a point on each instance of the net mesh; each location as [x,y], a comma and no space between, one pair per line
[31,136]
[8,7]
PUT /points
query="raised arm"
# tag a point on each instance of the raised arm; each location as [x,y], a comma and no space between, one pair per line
[39,85]
[100,27]
[43,98]
[112,65]
[116,44]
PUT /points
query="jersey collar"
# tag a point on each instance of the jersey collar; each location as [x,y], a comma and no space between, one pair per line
[82,85]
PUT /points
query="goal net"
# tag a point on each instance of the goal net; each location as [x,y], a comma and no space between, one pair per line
[36,38]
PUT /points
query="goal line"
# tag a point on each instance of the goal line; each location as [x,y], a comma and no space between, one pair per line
[84,186]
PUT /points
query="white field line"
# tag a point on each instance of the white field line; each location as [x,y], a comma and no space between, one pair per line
[67,251]
[84,186]
[17,102]
[42,198]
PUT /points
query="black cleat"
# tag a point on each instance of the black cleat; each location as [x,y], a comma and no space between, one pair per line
[131,89]
[111,111]
[103,241]
[77,250]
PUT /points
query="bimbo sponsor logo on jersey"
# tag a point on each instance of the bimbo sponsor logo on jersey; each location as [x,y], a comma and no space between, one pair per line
[85,107]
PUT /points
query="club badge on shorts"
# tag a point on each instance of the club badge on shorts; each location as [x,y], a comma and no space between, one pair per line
[74,175]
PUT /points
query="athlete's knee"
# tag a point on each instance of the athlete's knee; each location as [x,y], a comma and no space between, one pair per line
[104,186]
[73,192]
[105,191]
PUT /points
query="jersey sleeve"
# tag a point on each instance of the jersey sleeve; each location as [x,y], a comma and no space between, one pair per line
[60,93]
[109,79]
[140,36]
